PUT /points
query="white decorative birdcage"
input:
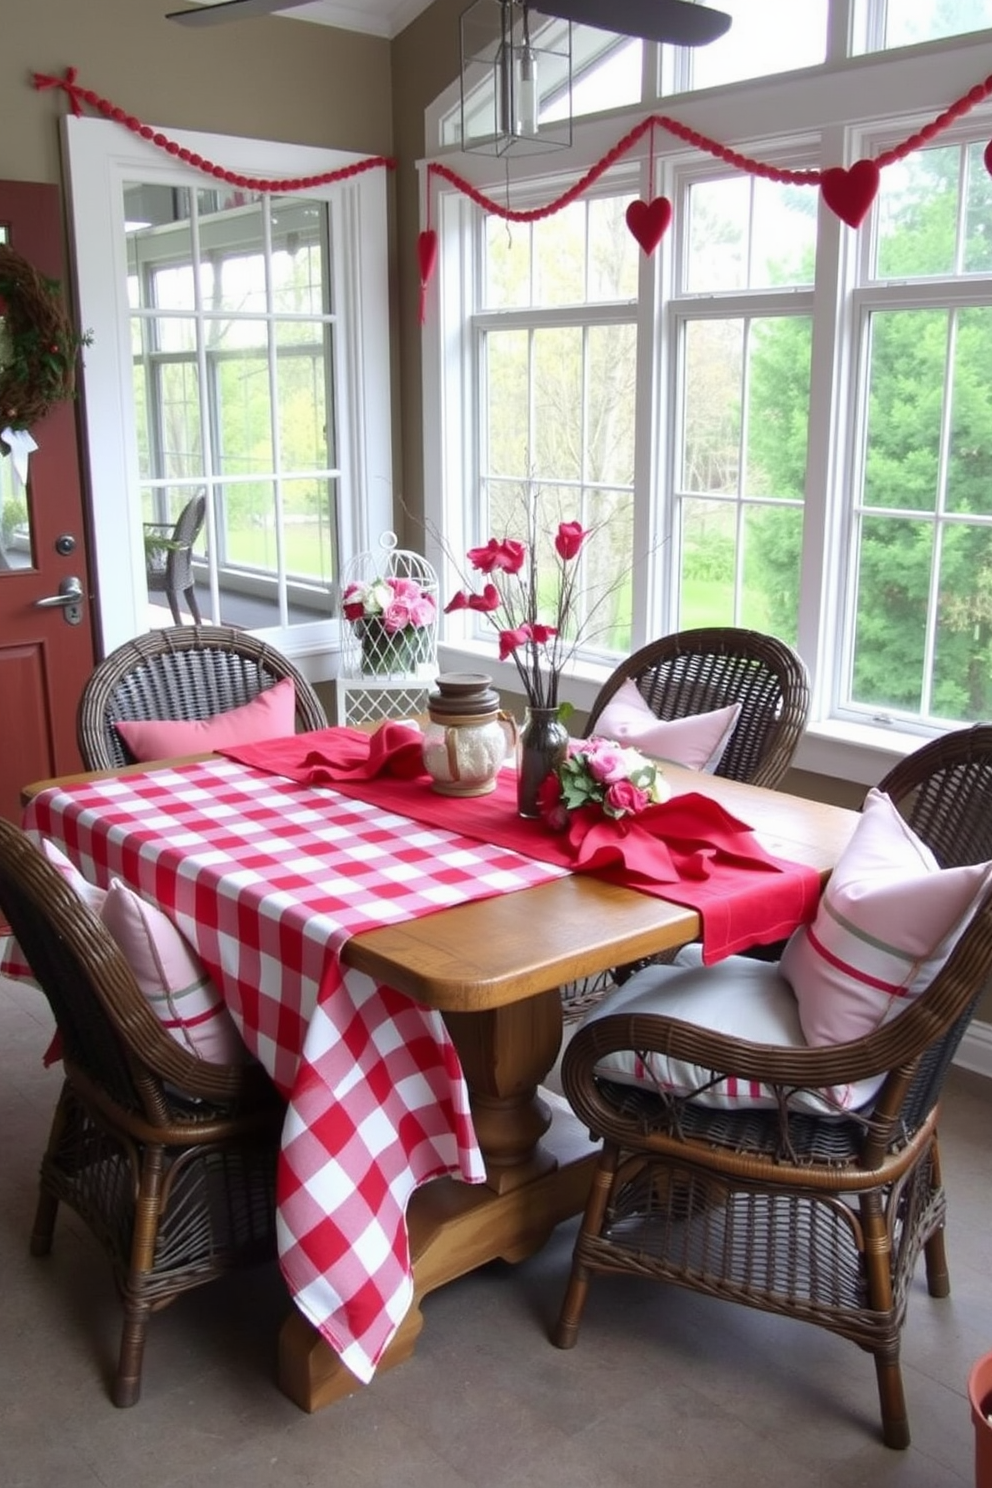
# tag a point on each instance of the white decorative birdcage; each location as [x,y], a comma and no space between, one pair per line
[385,672]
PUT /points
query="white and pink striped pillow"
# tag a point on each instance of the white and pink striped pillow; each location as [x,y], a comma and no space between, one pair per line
[166,968]
[887,922]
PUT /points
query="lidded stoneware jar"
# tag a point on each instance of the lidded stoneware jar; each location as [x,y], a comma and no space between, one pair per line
[468,737]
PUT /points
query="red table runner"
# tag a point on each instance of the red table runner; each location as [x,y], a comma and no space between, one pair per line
[689,850]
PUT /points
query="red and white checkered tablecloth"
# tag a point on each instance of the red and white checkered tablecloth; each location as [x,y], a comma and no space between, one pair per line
[268,879]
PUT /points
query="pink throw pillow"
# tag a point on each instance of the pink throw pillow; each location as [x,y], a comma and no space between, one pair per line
[172,978]
[270,715]
[696,741]
[887,922]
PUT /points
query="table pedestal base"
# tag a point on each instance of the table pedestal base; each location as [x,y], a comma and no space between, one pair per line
[454,1227]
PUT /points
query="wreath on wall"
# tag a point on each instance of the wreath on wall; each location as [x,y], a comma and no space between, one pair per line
[38,343]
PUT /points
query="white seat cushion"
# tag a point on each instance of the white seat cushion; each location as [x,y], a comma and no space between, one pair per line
[742,998]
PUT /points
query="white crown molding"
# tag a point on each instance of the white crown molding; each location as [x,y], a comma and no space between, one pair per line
[386,18]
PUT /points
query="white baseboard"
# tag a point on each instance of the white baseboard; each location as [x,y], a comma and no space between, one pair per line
[975,1049]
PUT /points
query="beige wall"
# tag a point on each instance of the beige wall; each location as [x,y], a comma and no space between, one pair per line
[270,78]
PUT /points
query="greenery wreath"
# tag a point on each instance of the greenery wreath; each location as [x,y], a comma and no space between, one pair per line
[38,343]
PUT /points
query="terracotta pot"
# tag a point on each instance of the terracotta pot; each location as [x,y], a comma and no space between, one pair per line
[980,1395]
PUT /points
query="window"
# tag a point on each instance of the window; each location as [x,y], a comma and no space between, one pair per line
[242,350]
[786,422]
[232,328]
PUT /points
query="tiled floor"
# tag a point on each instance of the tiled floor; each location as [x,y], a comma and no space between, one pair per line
[663,1388]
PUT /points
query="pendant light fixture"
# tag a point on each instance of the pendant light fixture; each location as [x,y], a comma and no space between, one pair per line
[516,79]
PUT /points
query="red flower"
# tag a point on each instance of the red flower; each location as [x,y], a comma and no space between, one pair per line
[569,539]
[550,804]
[487,601]
[509,640]
[507,555]
[353,611]
[538,633]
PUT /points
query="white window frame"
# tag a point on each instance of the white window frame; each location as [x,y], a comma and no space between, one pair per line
[101,157]
[828,107]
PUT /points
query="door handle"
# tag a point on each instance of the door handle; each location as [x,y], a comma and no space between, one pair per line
[69,599]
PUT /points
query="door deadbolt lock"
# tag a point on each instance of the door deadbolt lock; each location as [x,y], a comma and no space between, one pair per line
[65,544]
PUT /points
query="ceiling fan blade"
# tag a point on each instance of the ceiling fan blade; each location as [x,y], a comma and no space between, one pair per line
[675,21]
[229,10]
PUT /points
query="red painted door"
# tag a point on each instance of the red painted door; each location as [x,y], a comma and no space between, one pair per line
[46,651]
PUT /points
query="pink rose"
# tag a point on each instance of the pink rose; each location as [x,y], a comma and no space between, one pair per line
[396,617]
[569,539]
[422,610]
[606,762]
[407,589]
[623,797]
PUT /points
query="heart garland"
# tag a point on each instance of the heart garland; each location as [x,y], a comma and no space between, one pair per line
[648,221]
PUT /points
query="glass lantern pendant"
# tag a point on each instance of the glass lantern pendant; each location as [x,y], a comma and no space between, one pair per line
[516,79]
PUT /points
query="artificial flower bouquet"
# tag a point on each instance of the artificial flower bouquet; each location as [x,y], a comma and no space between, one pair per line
[618,780]
[394,617]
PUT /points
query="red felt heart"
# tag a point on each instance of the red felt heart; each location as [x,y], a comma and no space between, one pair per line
[850,193]
[987,157]
[427,254]
[648,221]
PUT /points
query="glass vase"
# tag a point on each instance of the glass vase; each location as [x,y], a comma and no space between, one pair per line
[387,653]
[541,746]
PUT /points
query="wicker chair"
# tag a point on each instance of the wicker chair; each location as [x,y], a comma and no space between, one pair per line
[187,672]
[695,671]
[169,557]
[816,1218]
[168,1159]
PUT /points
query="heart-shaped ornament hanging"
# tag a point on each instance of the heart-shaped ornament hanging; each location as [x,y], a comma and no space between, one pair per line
[648,220]
[850,193]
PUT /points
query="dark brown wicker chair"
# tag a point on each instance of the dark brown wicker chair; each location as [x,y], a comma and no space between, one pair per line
[169,1160]
[695,671]
[816,1218]
[187,672]
[169,557]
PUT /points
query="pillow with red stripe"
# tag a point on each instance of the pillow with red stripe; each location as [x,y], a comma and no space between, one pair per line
[887,922]
[172,977]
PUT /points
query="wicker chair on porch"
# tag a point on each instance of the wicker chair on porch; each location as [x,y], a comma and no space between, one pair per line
[815,1217]
[169,1160]
[184,672]
[169,558]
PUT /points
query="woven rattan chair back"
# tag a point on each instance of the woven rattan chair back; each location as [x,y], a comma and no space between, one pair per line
[820,1218]
[169,1159]
[169,557]
[696,671]
[184,672]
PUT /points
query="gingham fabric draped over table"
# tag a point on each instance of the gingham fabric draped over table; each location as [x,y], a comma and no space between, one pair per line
[267,880]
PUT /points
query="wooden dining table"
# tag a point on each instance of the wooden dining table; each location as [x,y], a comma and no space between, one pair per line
[493,969]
